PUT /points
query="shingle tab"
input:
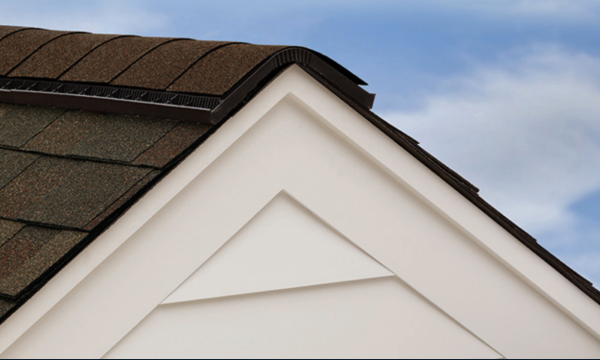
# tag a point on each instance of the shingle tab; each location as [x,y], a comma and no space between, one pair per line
[122,200]
[220,70]
[110,59]
[172,144]
[96,135]
[22,247]
[12,163]
[64,192]
[159,68]
[7,30]
[19,123]
[16,47]
[52,249]
[8,229]
[57,56]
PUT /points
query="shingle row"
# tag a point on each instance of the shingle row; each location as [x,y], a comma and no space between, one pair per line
[179,65]
[63,172]
[89,135]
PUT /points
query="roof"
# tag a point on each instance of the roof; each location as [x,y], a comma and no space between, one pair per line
[89,123]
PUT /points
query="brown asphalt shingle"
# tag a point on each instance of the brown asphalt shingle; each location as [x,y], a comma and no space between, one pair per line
[68,193]
[54,58]
[172,144]
[8,229]
[12,163]
[121,200]
[21,247]
[18,46]
[103,136]
[19,123]
[7,30]
[160,67]
[220,70]
[110,59]
[52,247]
[180,65]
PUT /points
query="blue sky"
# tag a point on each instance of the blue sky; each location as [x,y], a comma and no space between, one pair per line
[507,92]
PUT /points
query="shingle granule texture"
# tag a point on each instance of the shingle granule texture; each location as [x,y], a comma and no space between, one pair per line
[172,144]
[8,229]
[12,163]
[21,247]
[108,60]
[18,46]
[168,64]
[220,70]
[51,250]
[57,56]
[64,192]
[104,136]
[19,123]
[7,30]
[160,67]
[121,200]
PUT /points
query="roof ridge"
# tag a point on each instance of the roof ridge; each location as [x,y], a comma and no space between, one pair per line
[200,58]
[142,56]
[41,46]
[16,31]
[90,51]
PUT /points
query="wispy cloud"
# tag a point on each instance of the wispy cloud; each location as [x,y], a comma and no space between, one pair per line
[526,132]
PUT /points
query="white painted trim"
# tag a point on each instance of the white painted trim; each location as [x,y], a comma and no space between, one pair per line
[283,246]
[294,85]
[375,318]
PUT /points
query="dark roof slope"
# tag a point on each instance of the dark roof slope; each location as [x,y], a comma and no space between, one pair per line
[67,173]
[64,175]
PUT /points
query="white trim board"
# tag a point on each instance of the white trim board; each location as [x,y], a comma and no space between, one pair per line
[374,318]
[296,136]
[284,246]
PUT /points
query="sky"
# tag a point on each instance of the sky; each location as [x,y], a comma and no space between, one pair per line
[506,93]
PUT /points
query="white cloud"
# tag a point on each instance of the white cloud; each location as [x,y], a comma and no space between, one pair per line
[527,133]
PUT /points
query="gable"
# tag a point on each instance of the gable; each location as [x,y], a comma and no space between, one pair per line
[298,138]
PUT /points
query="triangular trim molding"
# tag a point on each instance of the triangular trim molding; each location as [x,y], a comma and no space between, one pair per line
[309,252]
